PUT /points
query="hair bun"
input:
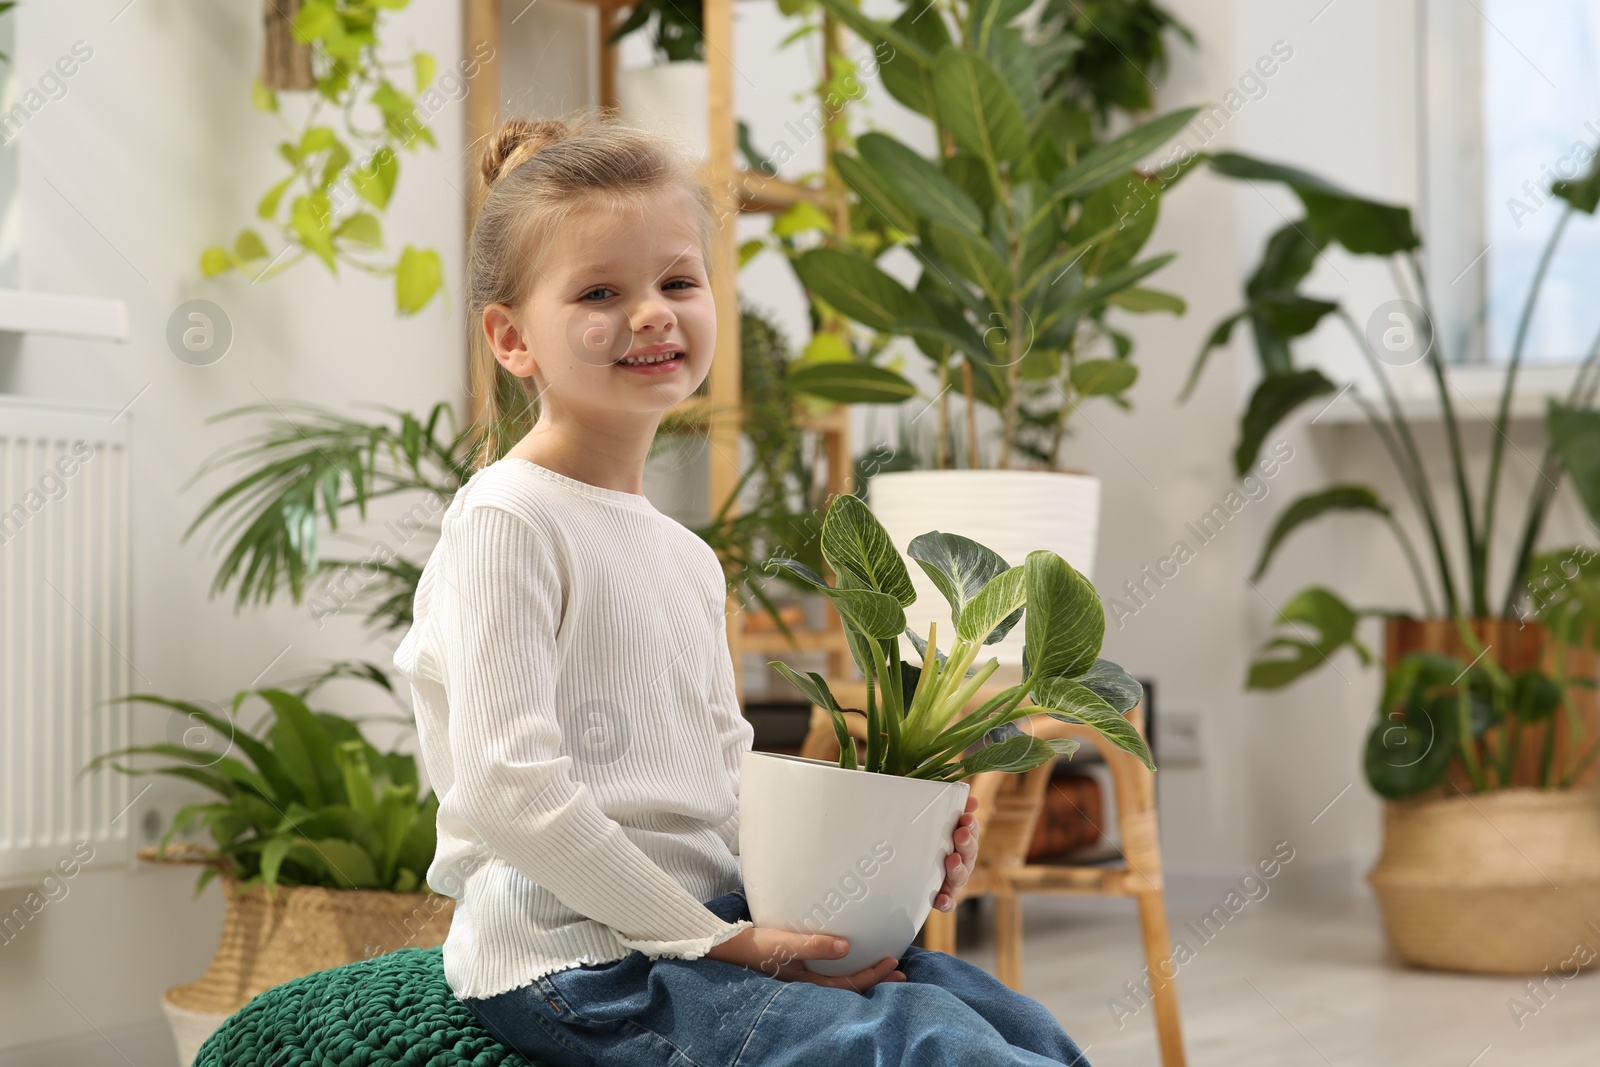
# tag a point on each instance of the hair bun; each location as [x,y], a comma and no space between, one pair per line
[516,142]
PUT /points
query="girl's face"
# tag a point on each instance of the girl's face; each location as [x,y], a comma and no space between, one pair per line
[621,318]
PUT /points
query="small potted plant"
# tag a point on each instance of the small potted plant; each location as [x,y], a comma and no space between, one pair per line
[673,93]
[321,841]
[856,848]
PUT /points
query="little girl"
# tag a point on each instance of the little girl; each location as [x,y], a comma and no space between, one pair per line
[573,688]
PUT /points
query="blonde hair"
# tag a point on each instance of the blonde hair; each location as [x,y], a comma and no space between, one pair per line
[534,173]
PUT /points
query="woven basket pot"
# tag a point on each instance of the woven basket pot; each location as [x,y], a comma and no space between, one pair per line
[1503,882]
[305,929]
[1507,881]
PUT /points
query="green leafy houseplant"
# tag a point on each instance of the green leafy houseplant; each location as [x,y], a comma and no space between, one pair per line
[342,174]
[917,725]
[1439,710]
[307,800]
[680,34]
[1026,229]
[1279,313]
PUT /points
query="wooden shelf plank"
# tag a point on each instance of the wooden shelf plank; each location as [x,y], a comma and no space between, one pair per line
[772,642]
[762,194]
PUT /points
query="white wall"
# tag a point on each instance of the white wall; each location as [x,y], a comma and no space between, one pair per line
[155,152]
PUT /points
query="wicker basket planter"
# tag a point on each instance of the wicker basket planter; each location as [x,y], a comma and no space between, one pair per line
[1504,882]
[305,929]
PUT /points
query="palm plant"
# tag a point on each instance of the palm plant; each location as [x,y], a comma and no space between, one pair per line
[917,723]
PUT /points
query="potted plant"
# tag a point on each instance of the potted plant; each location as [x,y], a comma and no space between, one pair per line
[1027,230]
[361,112]
[1467,730]
[673,93]
[321,841]
[813,857]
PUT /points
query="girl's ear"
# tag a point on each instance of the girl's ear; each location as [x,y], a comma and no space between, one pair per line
[508,341]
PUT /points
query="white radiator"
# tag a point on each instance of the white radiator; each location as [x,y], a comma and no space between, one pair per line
[64,637]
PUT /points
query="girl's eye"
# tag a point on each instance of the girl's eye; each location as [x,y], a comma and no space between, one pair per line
[684,281]
[598,289]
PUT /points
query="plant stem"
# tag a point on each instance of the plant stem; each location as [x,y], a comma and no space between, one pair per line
[874,739]
[941,447]
[1580,395]
[1480,606]
[972,417]
[889,708]
[1416,477]
[917,713]
[1497,447]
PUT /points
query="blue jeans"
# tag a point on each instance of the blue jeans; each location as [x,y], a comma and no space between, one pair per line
[639,1012]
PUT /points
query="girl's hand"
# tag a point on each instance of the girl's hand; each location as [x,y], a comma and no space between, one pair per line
[958,864]
[777,954]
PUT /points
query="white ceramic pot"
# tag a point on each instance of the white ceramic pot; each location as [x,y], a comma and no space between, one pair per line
[826,850]
[1012,512]
[671,98]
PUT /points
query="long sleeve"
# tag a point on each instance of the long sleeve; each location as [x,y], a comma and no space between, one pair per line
[499,605]
[734,731]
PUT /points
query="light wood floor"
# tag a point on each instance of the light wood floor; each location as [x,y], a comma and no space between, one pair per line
[1284,986]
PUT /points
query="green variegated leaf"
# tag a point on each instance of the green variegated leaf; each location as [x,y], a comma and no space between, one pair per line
[1070,701]
[958,566]
[995,610]
[1065,621]
[854,541]
[1016,755]
[1112,684]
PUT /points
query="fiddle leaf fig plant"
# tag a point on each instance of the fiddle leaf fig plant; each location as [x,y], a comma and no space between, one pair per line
[917,722]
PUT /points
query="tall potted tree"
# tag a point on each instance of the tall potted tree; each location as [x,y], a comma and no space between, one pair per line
[1027,228]
[1484,746]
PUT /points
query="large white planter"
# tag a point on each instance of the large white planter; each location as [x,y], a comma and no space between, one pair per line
[826,850]
[670,98]
[1012,512]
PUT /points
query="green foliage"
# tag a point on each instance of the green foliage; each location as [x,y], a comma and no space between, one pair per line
[342,170]
[917,722]
[1026,230]
[302,798]
[1115,52]
[679,27]
[1438,711]
[1279,312]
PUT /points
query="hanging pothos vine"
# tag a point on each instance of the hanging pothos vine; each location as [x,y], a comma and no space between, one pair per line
[344,156]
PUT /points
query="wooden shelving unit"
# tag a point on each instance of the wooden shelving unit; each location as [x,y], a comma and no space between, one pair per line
[738,191]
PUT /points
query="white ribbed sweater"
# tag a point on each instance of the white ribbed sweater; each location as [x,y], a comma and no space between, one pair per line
[575,705]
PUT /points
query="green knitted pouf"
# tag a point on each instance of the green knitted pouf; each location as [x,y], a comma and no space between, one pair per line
[394,1010]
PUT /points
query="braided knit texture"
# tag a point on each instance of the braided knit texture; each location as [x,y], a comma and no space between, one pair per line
[394,1010]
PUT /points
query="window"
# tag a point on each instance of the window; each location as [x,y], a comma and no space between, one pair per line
[1511,102]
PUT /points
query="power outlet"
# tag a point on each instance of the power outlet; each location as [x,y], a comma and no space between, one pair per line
[1178,742]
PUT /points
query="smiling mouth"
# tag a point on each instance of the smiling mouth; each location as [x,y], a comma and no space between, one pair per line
[650,360]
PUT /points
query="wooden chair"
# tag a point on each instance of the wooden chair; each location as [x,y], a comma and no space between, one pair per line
[1008,812]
